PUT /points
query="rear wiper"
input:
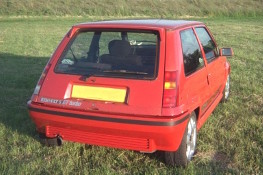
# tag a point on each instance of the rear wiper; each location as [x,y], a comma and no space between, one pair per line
[125,72]
[84,77]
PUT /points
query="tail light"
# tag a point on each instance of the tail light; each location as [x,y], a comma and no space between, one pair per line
[41,80]
[170,89]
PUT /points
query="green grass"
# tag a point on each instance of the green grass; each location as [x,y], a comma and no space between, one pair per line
[231,141]
[152,8]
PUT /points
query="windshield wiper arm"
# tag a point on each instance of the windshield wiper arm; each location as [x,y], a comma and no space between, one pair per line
[84,77]
[125,72]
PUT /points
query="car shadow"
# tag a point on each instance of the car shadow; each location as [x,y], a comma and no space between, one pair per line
[18,77]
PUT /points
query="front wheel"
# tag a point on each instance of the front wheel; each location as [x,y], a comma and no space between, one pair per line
[186,150]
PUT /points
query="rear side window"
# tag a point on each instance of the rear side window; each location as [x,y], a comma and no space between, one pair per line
[191,52]
[207,43]
[111,53]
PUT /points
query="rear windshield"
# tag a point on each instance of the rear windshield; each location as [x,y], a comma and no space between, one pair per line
[111,53]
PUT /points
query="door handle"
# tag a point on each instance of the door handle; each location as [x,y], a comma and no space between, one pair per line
[208,78]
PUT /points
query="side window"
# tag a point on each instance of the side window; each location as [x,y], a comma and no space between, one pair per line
[191,52]
[207,43]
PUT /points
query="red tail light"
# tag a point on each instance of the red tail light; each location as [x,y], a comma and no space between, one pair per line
[170,89]
[41,79]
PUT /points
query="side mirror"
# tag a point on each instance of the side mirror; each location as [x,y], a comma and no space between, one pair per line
[226,52]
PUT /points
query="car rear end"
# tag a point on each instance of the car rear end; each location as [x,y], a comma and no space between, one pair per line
[107,85]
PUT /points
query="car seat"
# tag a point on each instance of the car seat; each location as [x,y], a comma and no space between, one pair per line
[119,54]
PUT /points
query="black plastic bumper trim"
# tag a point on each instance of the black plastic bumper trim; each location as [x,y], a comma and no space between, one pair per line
[107,119]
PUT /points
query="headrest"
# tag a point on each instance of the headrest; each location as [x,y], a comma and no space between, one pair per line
[119,47]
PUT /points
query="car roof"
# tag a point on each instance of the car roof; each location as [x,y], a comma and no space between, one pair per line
[157,23]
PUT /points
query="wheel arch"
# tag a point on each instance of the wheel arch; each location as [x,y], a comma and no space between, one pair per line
[197,112]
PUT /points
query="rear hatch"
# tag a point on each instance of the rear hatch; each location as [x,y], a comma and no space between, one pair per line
[115,71]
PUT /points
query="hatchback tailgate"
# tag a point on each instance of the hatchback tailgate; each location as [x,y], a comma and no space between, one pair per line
[101,94]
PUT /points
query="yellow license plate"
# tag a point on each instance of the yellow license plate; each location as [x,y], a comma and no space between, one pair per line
[99,93]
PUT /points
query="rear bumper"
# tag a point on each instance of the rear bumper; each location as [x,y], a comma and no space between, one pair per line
[119,131]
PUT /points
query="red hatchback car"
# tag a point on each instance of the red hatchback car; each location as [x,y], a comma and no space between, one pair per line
[142,85]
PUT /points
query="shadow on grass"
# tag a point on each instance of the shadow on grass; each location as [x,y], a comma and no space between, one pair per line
[217,163]
[18,77]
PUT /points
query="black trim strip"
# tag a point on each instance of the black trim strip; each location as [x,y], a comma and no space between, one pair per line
[106,119]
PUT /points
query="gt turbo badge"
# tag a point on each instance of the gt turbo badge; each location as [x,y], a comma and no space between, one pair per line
[60,102]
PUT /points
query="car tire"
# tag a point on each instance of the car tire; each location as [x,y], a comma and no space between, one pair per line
[187,148]
[226,90]
[48,141]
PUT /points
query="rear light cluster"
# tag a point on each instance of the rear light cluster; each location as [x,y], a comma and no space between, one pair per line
[170,89]
[41,79]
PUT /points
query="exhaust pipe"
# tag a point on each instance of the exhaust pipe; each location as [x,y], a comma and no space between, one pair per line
[59,140]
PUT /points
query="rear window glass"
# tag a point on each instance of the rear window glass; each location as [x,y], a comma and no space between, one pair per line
[111,53]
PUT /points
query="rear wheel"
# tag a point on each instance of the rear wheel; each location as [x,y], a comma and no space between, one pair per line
[186,150]
[226,89]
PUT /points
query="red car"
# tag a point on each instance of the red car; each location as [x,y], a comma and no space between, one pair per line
[142,85]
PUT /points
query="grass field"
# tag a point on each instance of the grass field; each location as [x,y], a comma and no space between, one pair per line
[231,141]
[153,8]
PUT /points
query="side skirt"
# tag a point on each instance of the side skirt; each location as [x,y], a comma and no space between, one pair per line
[208,112]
